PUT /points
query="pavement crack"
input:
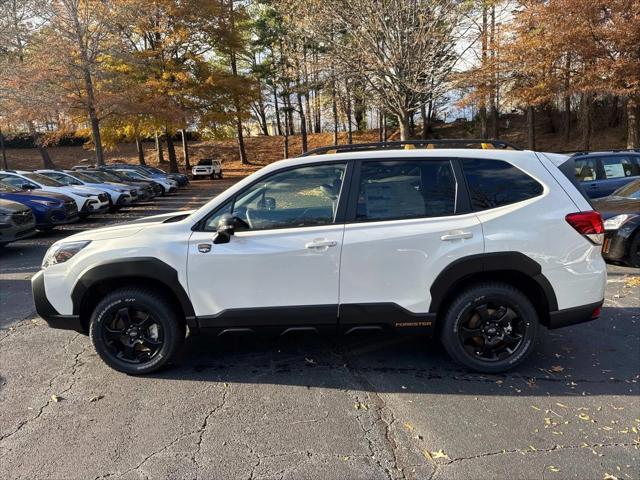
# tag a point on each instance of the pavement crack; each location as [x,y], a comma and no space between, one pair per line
[203,428]
[528,451]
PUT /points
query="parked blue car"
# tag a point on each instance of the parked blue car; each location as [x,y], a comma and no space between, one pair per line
[601,173]
[50,209]
[154,172]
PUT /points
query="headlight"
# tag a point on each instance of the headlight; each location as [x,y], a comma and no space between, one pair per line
[62,252]
[614,223]
[47,203]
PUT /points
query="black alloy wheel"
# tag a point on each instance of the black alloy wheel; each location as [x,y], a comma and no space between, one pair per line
[136,330]
[133,335]
[490,328]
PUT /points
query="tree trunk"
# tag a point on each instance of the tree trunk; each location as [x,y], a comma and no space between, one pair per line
[140,150]
[531,128]
[159,152]
[349,128]
[286,136]
[384,127]
[633,125]
[425,122]
[493,89]
[483,87]
[318,119]
[185,151]
[309,115]
[359,112]
[334,110]
[380,120]
[236,100]
[586,102]
[403,122]
[171,152]
[277,109]
[262,116]
[47,163]
[289,113]
[567,99]
[4,151]
[614,118]
[303,122]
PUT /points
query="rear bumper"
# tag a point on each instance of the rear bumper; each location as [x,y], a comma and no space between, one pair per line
[574,315]
[48,312]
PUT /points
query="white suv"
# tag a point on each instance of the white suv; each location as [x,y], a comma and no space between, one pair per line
[478,247]
[207,167]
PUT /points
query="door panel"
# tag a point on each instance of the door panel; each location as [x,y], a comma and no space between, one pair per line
[397,261]
[268,268]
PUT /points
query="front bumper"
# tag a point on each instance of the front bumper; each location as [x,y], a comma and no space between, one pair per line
[58,216]
[91,206]
[574,315]
[13,233]
[48,312]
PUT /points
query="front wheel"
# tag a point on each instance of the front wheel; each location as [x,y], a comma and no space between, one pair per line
[135,331]
[490,328]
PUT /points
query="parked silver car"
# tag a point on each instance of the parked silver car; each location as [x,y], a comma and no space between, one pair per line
[16,221]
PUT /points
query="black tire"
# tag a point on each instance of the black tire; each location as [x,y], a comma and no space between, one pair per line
[220,176]
[212,176]
[634,250]
[112,336]
[490,328]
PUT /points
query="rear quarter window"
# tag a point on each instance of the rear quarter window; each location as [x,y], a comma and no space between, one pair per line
[494,183]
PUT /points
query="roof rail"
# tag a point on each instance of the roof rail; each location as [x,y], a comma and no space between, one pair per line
[412,144]
[611,150]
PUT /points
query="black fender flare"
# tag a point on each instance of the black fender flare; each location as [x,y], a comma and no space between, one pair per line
[135,267]
[489,262]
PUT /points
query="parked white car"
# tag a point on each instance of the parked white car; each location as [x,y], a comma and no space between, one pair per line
[207,167]
[88,200]
[479,247]
[119,194]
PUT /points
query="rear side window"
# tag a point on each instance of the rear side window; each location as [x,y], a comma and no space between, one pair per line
[586,169]
[399,189]
[494,183]
[619,166]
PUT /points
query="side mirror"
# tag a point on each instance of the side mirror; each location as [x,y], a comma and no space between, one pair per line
[226,227]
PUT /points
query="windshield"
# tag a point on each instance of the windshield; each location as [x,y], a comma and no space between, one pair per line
[66,179]
[84,177]
[106,176]
[8,188]
[132,174]
[154,170]
[630,190]
[41,179]
[205,161]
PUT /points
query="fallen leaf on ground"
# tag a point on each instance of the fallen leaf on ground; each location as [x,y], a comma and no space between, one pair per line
[584,416]
[55,398]
[438,454]
[361,406]
[556,369]
[608,476]
[96,398]
[553,469]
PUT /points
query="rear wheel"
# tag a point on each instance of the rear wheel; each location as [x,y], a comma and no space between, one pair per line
[135,331]
[490,328]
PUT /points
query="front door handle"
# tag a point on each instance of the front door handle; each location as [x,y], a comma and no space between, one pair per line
[456,236]
[321,243]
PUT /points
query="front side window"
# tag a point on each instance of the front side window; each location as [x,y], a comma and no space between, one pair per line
[494,183]
[403,189]
[620,166]
[301,197]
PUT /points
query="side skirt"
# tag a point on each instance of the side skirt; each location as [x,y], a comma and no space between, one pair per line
[343,319]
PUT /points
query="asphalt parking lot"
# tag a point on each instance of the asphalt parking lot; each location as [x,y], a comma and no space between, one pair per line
[313,407]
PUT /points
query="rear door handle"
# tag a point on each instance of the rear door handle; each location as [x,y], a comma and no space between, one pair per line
[321,243]
[456,236]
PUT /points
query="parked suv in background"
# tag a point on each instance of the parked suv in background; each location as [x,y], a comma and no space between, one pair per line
[88,200]
[207,167]
[449,242]
[603,172]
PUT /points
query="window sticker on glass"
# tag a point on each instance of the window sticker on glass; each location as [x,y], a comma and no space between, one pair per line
[615,170]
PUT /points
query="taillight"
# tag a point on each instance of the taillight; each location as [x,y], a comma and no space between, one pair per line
[588,224]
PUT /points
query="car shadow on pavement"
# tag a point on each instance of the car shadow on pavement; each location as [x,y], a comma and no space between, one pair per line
[597,358]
